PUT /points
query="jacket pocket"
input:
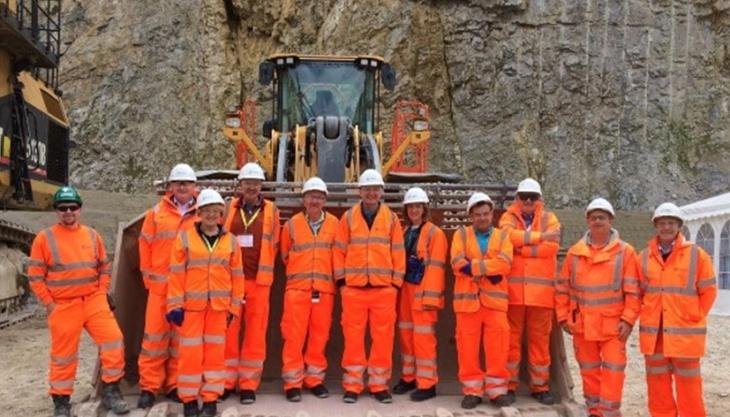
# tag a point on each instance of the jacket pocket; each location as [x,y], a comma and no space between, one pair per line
[609,323]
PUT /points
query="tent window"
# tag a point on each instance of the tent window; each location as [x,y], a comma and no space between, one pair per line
[706,239]
[724,281]
[685,232]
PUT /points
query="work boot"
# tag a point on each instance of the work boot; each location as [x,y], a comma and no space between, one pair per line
[210,409]
[470,401]
[350,397]
[383,396]
[503,400]
[146,399]
[61,406]
[402,387]
[248,396]
[226,393]
[423,394]
[320,391]
[544,397]
[512,395]
[190,409]
[112,399]
[172,395]
[293,395]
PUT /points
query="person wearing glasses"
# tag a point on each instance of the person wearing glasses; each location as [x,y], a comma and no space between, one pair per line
[174,212]
[69,274]
[535,235]
[204,294]
[306,250]
[597,300]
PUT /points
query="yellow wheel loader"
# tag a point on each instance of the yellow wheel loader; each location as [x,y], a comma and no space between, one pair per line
[325,121]
[34,133]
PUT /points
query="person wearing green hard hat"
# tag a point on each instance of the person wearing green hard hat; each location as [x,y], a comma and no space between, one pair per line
[69,273]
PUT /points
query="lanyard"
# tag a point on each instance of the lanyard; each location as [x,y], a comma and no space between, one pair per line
[248,223]
[210,247]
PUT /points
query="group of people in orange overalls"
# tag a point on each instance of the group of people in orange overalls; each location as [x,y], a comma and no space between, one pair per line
[209,270]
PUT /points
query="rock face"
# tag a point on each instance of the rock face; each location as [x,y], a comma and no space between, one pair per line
[627,99]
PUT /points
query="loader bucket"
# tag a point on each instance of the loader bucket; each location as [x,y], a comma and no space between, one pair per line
[131,297]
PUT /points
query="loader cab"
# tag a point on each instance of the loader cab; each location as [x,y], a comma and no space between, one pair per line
[309,86]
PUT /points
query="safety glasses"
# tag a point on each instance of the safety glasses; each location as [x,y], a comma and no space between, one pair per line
[528,196]
[68,208]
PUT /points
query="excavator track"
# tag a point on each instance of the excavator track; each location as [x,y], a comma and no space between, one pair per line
[16,307]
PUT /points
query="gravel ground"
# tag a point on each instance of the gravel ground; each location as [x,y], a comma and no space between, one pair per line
[24,359]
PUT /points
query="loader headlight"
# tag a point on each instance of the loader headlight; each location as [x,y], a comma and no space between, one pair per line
[420,125]
[233,122]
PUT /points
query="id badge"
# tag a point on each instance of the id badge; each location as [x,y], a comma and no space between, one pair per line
[245,241]
[315,297]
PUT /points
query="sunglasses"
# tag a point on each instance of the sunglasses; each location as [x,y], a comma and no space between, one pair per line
[529,197]
[72,208]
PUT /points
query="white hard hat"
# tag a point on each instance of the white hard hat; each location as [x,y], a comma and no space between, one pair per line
[370,177]
[477,198]
[415,195]
[182,172]
[600,204]
[668,210]
[314,184]
[208,197]
[528,185]
[251,171]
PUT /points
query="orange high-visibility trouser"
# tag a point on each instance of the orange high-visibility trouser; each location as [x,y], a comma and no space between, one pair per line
[602,365]
[202,343]
[246,362]
[65,323]
[417,338]
[362,306]
[158,356]
[492,328]
[688,381]
[538,321]
[303,320]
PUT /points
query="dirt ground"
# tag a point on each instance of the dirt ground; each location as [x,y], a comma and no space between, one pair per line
[24,359]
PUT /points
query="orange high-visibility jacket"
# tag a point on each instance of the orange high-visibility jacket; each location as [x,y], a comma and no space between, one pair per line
[374,256]
[269,238]
[431,249]
[199,276]
[309,258]
[598,288]
[677,296]
[67,263]
[161,225]
[470,291]
[535,263]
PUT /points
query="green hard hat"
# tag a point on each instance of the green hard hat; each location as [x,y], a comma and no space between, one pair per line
[66,195]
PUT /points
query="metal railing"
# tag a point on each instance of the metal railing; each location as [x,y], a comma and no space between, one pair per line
[40,22]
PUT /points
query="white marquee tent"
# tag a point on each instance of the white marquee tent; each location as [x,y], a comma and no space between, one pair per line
[707,222]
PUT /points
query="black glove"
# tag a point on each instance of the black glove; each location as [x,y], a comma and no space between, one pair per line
[110,301]
[494,279]
[466,269]
[340,283]
[229,319]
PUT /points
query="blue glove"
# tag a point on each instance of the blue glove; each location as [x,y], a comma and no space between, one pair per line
[176,316]
[466,269]
[494,279]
